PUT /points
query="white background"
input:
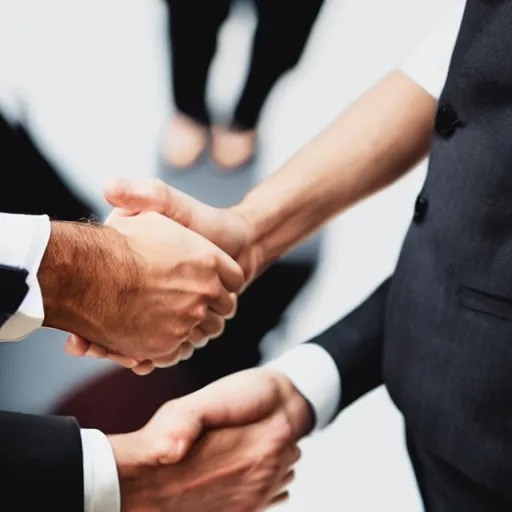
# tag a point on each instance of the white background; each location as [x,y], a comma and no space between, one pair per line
[91,79]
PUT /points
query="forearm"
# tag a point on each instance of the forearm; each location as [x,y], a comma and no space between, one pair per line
[76,284]
[375,142]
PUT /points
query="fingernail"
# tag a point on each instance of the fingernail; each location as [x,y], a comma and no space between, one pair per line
[172,452]
[116,186]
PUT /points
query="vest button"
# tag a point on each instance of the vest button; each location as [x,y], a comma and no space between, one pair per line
[446,121]
[420,208]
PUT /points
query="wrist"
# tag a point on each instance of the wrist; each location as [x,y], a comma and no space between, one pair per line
[298,410]
[80,274]
[132,470]
[122,448]
[252,257]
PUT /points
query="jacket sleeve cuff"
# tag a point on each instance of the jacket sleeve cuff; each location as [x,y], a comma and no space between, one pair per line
[314,373]
[101,482]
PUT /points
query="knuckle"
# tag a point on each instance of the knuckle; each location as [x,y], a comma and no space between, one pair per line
[212,291]
[200,312]
[181,333]
[159,189]
[283,430]
[209,261]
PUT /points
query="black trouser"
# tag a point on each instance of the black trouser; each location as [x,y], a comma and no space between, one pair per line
[29,182]
[136,398]
[281,35]
[444,488]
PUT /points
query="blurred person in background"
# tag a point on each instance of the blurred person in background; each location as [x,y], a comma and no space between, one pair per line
[281,35]
[32,184]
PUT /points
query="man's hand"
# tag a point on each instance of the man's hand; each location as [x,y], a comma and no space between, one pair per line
[147,289]
[240,399]
[226,228]
[229,470]
[236,440]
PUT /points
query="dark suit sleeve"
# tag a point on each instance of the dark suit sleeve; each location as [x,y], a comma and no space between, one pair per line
[13,289]
[41,464]
[355,344]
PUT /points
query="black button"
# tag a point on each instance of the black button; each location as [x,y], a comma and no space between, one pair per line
[447,121]
[420,208]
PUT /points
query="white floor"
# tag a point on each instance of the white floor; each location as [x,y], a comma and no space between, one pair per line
[90,77]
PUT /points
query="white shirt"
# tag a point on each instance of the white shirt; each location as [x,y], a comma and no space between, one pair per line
[23,240]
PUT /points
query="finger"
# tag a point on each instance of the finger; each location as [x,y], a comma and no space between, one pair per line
[96,351]
[292,455]
[225,305]
[212,325]
[154,195]
[76,345]
[184,351]
[285,482]
[144,368]
[117,213]
[231,315]
[199,338]
[127,362]
[279,499]
[230,273]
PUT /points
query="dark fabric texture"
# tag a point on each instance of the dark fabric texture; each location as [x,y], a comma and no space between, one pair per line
[14,288]
[356,345]
[30,183]
[281,35]
[41,464]
[447,330]
[444,488]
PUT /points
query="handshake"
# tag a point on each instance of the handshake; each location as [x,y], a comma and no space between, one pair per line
[159,281]
[229,447]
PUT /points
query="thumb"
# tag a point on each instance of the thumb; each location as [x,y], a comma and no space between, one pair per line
[171,434]
[76,346]
[136,196]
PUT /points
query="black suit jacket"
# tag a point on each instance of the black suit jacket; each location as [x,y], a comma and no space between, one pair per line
[41,464]
[439,333]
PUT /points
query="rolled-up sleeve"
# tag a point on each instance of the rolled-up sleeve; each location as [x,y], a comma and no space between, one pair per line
[429,63]
[23,242]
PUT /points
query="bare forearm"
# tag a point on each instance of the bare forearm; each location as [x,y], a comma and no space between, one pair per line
[74,276]
[375,142]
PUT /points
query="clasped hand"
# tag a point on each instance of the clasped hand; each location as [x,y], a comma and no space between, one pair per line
[229,447]
[184,281]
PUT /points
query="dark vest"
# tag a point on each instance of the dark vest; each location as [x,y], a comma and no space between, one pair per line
[448,338]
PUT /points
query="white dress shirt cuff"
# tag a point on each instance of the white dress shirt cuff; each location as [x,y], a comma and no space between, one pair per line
[23,242]
[101,482]
[428,66]
[314,373]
